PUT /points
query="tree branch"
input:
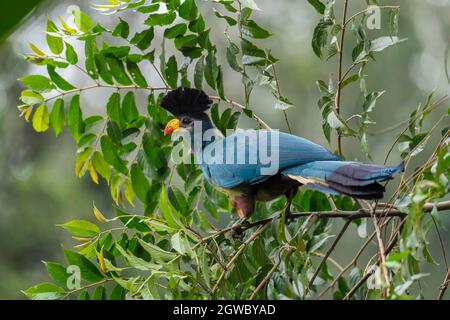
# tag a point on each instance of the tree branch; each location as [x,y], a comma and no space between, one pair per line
[351,215]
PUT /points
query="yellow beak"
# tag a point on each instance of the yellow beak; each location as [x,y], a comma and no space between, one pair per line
[172,126]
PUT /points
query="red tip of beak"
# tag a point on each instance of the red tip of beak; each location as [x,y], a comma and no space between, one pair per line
[168,130]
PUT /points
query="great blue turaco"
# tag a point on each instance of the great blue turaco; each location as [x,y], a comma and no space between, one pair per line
[300,161]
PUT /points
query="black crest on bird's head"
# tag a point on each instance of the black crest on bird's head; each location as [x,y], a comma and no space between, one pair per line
[186,101]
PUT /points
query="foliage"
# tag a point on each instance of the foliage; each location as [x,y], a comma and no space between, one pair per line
[162,239]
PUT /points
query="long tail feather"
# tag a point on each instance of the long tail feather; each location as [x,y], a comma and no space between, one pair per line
[355,179]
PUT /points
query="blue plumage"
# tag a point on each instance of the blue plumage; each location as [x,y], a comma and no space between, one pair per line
[263,165]
[293,151]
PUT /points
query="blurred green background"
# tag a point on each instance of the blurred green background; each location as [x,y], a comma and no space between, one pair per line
[38,187]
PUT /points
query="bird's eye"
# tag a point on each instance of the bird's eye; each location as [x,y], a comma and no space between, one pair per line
[186,121]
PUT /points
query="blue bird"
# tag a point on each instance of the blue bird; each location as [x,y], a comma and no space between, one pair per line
[236,164]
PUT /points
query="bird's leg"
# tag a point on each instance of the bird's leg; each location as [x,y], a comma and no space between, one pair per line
[244,206]
[237,227]
[287,212]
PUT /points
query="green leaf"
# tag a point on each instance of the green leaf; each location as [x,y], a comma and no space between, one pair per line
[382,43]
[75,120]
[215,117]
[175,31]
[180,244]
[116,51]
[122,29]
[161,19]
[198,73]
[57,116]
[394,16]
[118,71]
[259,253]
[113,109]
[44,291]
[326,131]
[358,51]
[219,84]
[58,80]
[91,49]
[88,270]
[129,108]
[251,29]
[211,70]
[101,166]
[188,41]
[136,74]
[81,228]
[188,10]
[99,294]
[171,72]
[149,9]
[111,156]
[156,252]
[82,21]
[197,25]
[83,296]
[38,83]
[371,100]
[250,4]
[118,293]
[168,211]
[57,272]
[320,37]
[283,103]
[103,68]
[319,6]
[136,262]
[140,183]
[71,55]
[349,80]
[41,119]
[252,55]
[232,60]
[334,121]
[143,39]
[229,20]
[31,98]
[55,43]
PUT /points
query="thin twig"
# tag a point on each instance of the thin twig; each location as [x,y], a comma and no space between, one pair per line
[327,255]
[266,279]
[277,82]
[245,244]
[240,106]
[367,275]
[444,285]
[365,10]
[382,252]
[104,86]
[340,63]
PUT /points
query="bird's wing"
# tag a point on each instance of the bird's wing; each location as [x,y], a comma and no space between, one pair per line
[251,156]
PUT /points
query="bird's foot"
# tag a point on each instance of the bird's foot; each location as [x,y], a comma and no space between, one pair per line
[239,228]
[288,216]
